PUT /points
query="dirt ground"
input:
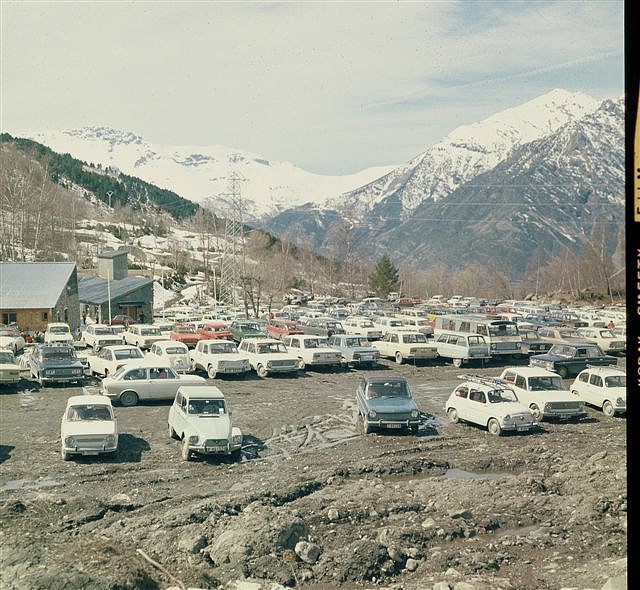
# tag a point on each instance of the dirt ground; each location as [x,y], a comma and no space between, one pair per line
[452,505]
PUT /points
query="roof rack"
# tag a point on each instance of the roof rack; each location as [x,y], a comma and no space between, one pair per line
[484,380]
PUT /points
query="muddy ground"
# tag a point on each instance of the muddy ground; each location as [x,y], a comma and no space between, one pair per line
[452,507]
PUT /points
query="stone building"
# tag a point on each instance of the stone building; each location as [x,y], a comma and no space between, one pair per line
[32,294]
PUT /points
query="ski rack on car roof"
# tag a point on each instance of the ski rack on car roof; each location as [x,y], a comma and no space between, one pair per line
[483,380]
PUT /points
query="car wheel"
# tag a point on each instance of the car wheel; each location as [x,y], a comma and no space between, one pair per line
[211,372]
[106,372]
[128,398]
[262,372]
[185,452]
[414,428]
[608,409]
[194,368]
[535,410]
[399,358]
[65,456]
[563,372]
[172,432]
[301,364]
[457,362]
[453,415]
[236,455]
[494,427]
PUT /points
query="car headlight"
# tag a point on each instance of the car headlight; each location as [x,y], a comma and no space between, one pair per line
[507,418]
[193,440]
[111,439]
[372,413]
[236,439]
[620,402]
[518,345]
[68,441]
[414,413]
[493,346]
[356,356]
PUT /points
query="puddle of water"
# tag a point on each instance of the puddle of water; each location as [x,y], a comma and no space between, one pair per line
[454,473]
[20,484]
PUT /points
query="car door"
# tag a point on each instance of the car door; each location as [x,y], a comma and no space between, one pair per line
[461,402]
[477,401]
[596,390]
[584,389]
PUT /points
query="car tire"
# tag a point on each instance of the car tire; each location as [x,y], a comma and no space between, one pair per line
[414,428]
[493,426]
[608,409]
[563,372]
[453,415]
[535,410]
[172,433]
[128,398]
[65,456]
[301,364]
[236,455]
[185,453]
[211,372]
[399,358]
[40,379]
[457,363]
[261,371]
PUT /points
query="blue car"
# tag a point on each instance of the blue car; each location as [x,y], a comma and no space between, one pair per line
[56,362]
[385,401]
[355,350]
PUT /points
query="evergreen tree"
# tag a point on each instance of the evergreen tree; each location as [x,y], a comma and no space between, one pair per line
[384,278]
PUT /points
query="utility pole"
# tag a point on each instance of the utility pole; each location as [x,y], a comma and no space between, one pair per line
[109,194]
[232,266]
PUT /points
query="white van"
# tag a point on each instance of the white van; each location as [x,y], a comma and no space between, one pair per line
[462,347]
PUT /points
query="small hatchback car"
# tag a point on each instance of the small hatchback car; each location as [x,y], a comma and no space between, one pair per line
[88,427]
[489,402]
[603,387]
[385,401]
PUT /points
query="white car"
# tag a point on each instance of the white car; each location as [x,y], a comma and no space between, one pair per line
[218,357]
[142,335]
[605,338]
[544,392]
[268,355]
[312,351]
[58,332]
[176,354]
[603,387]
[403,346]
[361,326]
[88,427]
[11,338]
[487,402]
[111,358]
[165,328]
[201,419]
[99,335]
[9,370]
[385,324]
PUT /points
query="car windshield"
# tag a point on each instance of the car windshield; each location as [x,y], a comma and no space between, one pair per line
[545,383]
[499,396]
[89,412]
[356,342]
[6,357]
[55,354]
[222,348]
[271,347]
[150,332]
[165,327]
[59,329]
[206,407]
[607,334]
[185,330]
[503,330]
[414,338]
[616,381]
[8,332]
[128,353]
[102,331]
[175,350]
[388,389]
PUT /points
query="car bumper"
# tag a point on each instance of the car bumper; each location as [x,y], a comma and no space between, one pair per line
[90,450]
[58,379]
[393,424]
[563,414]
[215,450]
[232,370]
[518,427]
[281,369]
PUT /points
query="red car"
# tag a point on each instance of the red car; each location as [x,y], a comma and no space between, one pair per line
[186,334]
[215,331]
[122,320]
[280,328]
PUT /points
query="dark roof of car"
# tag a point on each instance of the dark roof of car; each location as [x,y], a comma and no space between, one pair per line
[382,377]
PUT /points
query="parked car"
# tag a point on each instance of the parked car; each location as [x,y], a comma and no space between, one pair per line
[418,324]
[355,350]
[242,329]
[142,335]
[605,339]
[9,369]
[145,381]
[11,338]
[326,327]
[490,403]
[543,392]
[268,355]
[58,332]
[461,347]
[532,343]
[88,427]
[385,401]
[359,326]
[165,328]
[569,359]
[403,346]
[218,357]
[312,351]
[602,387]
[201,419]
[55,362]
[215,331]
[122,320]
[113,357]
[280,328]
[176,354]
[559,335]
[99,335]
[187,334]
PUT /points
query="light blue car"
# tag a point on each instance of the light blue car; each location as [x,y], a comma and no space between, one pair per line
[355,350]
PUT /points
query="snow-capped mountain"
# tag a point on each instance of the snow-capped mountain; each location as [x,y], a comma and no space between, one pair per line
[202,174]
[490,194]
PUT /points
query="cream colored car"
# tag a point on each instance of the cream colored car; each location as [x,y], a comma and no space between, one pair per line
[403,346]
[605,339]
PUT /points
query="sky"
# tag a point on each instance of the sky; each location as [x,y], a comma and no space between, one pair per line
[333,87]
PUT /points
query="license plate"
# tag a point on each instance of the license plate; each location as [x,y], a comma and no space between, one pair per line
[232,370]
[394,425]
[90,453]
[215,449]
[522,428]
[366,357]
